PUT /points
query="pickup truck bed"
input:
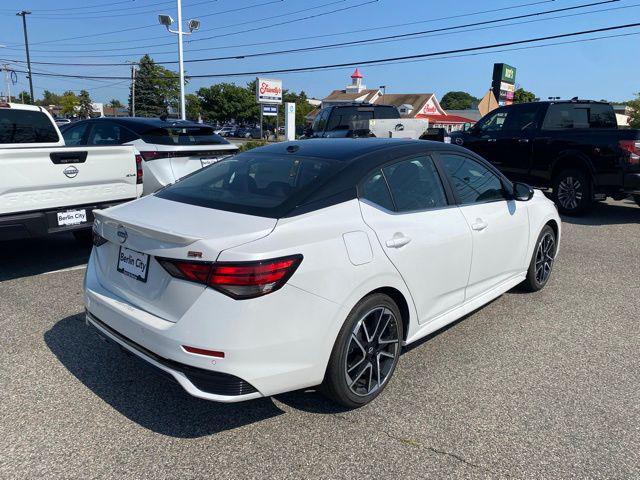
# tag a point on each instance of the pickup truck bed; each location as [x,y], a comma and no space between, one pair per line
[46,187]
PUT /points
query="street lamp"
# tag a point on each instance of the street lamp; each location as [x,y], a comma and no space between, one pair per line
[193,25]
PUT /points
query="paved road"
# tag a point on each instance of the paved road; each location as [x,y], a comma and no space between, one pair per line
[539,385]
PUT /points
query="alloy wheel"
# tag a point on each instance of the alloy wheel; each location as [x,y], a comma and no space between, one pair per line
[545,256]
[570,193]
[373,349]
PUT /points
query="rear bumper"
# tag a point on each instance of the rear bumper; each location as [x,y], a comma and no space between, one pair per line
[42,222]
[268,348]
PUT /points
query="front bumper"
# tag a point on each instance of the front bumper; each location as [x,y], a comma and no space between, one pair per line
[272,344]
[42,222]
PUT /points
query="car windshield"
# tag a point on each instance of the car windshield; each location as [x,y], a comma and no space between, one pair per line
[183,136]
[252,183]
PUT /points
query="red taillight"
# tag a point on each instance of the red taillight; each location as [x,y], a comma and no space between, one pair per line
[633,147]
[139,169]
[202,351]
[153,155]
[239,280]
[5,105]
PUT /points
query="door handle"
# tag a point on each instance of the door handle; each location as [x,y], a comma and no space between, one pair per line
[523,140]
[398,241]
[491,140]
[479,225]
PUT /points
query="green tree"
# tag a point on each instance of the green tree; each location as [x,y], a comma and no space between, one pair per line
[24,97]
[115,103]
[222,102]
[68,103]
[458,101]
[193,106]
[157,88]
[634,116]
[523,96]
[85,105]
[49,98]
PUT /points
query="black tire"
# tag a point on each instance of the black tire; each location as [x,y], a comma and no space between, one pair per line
[572,192]
[365,358]
[83,236]
[542,261]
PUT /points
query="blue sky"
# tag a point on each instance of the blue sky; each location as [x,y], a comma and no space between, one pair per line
[605,68]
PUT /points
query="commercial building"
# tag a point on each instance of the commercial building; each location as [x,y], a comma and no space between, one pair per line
[410,105]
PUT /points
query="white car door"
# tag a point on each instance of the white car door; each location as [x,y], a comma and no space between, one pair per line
[499,225]
[425,237]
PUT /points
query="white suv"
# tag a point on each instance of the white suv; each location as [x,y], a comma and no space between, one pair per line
[170,149]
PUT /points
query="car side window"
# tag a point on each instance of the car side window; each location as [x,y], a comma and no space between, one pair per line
[415,185]
[376,191]
[521,117]
[107,133]
[492,123]
[75,135]
[472,181]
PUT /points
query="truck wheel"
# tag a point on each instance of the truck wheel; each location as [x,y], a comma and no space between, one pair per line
[572,192]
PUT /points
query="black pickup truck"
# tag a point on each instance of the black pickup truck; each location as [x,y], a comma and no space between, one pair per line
[574,147]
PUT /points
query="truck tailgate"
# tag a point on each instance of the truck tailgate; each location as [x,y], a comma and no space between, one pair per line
[40,178]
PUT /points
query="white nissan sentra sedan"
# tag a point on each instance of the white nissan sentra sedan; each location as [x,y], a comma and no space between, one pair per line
[312,263]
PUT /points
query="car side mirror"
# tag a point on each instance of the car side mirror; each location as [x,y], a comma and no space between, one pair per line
[522,192]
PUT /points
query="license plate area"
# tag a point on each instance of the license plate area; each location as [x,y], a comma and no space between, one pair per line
[133,264]
[72,217]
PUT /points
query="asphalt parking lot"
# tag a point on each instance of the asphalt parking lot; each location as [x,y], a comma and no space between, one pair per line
[543,385]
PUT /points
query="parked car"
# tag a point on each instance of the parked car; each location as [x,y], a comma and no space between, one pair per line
[62,121]
[573,147]
[312,262]
[249,132]
[170,149]
[227,131]
[350,120]
[47,187]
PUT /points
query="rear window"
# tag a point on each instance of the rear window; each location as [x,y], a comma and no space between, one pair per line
[586,115]
[256,184]
[183,136]
[357,118]
[26,126]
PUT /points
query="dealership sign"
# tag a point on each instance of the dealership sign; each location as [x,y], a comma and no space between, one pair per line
[268,90]
[269,110]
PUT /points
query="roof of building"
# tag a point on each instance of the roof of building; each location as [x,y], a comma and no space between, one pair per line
[416,100]
[472,113]
[344,96]
[445,118]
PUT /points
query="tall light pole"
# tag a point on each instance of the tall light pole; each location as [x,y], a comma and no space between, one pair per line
[24,14]
[194,25]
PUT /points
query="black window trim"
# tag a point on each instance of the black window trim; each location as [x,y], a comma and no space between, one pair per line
[506,184]
[451,201]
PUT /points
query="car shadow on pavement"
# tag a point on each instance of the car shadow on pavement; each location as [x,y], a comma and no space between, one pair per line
[139,393]
[619,213]
[33,256]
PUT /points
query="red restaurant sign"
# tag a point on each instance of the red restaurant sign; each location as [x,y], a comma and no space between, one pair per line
[268,90]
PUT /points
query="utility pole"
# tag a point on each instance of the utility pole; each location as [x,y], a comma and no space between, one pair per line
[7,81]
[24,14]
[133,89]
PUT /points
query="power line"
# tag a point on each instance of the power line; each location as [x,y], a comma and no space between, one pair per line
[71,15]
[130,29]
[385,39]
[296,39]
[99,5]
[378,61]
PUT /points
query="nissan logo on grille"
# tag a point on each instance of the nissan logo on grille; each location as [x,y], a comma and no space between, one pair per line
[70,172]
[122,234]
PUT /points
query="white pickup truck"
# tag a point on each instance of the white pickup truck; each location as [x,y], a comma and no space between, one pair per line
[46,187]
